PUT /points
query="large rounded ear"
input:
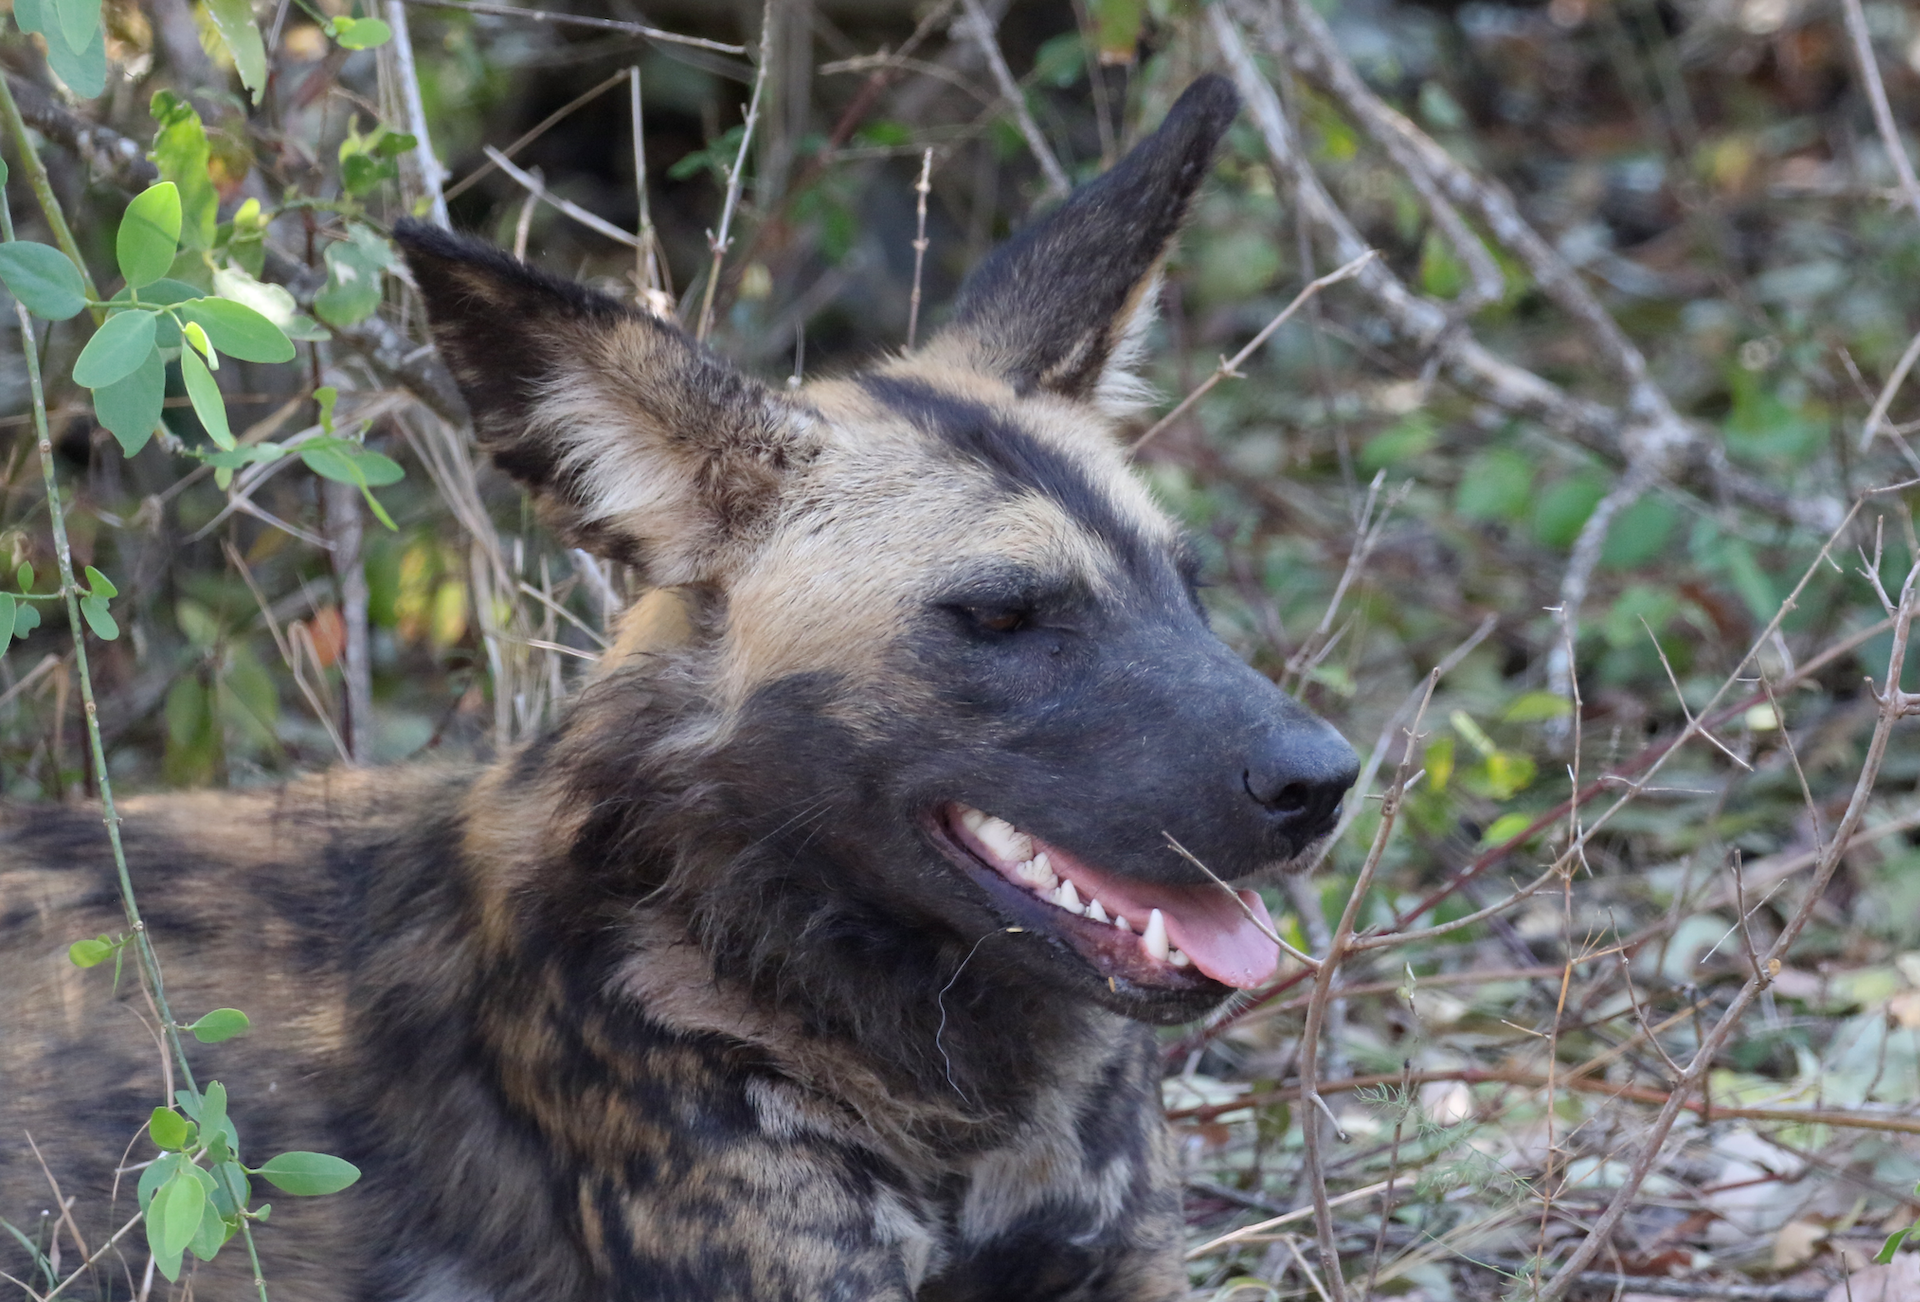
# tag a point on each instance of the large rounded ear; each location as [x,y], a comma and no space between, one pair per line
[1064,305]
[639,443]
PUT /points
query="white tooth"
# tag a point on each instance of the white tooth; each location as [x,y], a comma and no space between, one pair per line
[1068,898]
[1041,869]
[971,818]
[1005,843]
[1122,924]
[1178,959]
[1096,911]
[1154,938]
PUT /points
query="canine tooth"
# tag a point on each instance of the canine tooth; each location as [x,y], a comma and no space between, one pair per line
[1096,911]
[1178,959]
[1121,923]
[1068,898]
[971,818]
[1000,837]
[1154,938]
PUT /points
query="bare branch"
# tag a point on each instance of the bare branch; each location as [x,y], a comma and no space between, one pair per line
[580,20]
[1877,96]
[981,28]
[718,241]
[1230,367]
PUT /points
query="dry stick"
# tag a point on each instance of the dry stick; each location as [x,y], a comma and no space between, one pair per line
[1877,96]
[534,186]
[981,28]
[1229,368]
[523,226]
[1584,559]
[641,30]
[1895,379]
[1574,1081]
[1323,989]
[1245,908]
[717,242]
[539,129]
[1890,711]
[653,290]
[922,187]
[1298,1214]
[88,1264]
[433,176]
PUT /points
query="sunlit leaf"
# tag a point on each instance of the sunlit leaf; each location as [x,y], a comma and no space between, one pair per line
[173,1218]
[233,19]
[220,1024]
[149,234]
[239,331]
[168,1129]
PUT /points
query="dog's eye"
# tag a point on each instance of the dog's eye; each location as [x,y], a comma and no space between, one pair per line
[998,619]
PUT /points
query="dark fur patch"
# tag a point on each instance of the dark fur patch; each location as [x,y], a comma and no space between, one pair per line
[1018,460]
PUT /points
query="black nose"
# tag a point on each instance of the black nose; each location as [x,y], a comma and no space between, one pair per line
[1299,776]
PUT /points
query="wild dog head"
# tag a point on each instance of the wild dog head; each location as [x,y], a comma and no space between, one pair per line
[954,669]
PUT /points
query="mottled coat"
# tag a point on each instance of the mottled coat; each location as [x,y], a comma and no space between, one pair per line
[763,975]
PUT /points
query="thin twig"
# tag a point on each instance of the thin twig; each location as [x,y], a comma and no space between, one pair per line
[1895,379]
[1298,1214]
[1229,368]
[539,129]
[641,30]
[718,241]
[534,186]
[1239,903]
[922,188]
[981,28]
[1877,96]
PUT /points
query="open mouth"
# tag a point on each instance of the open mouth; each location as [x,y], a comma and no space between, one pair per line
[1145,932]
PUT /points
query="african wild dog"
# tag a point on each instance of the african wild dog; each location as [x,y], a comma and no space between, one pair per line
[814,953]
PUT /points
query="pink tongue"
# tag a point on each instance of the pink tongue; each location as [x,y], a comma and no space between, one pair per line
[1202,921]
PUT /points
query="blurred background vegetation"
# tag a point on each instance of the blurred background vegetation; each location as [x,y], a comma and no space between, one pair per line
[1378,491]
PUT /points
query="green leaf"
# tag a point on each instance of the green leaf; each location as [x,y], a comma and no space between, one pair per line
[173,1218]
[90,953]
[359,33]
[43,278]
[25,620]
[1561,511]
[1533,707]
[130,407]
[308,1173]
[213,1234]
[167,1129]
[1497,485]
[220,1024]
[1639,534]
[116,350]
[78,19]
[99,619]
[99,584]
[158,1172]
[24,576]
[213,1108]
[204,392]
[7,604]
[149,234]
[233,19]
[1892,1245]
[84,70]
[181,153]
[239,331]
[1117,28]
[355,268]
[235,1193]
